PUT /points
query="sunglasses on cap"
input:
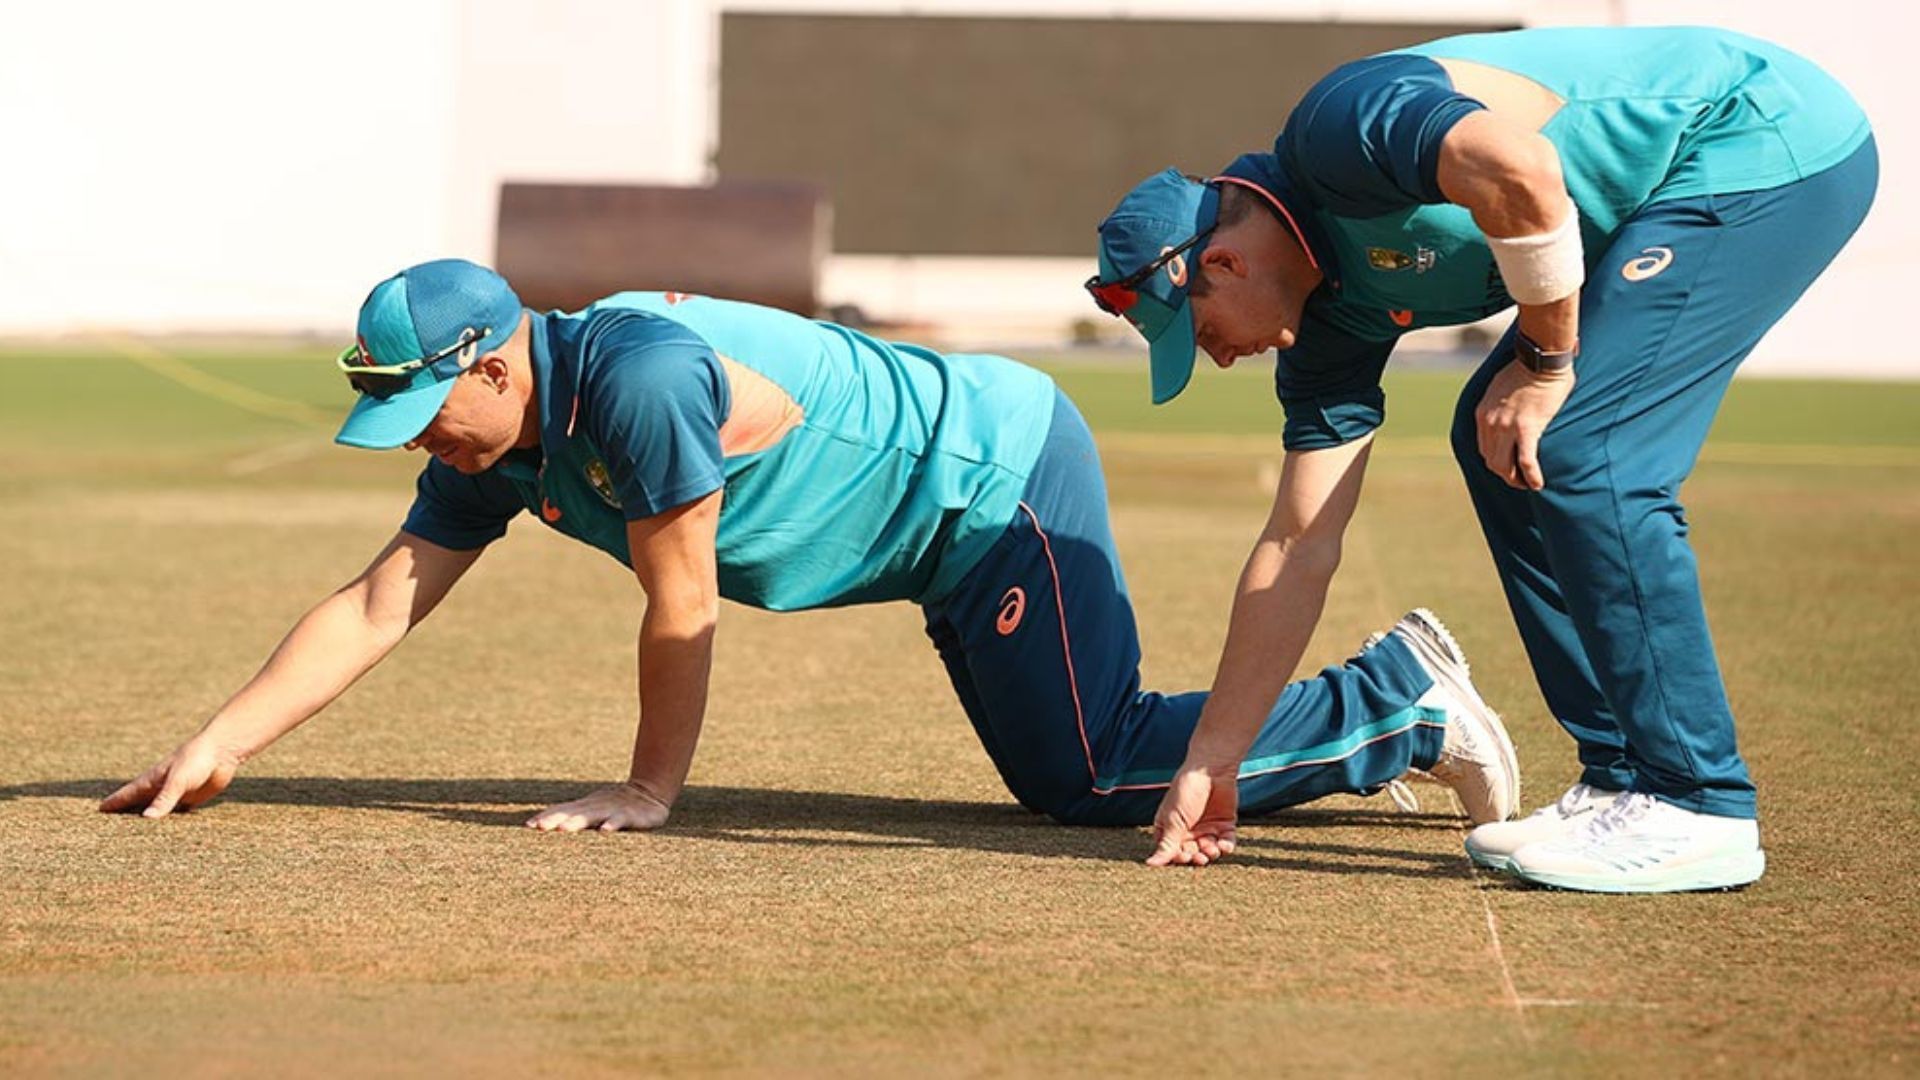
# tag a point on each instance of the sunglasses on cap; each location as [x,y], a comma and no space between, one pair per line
[1117,297]
[384,380]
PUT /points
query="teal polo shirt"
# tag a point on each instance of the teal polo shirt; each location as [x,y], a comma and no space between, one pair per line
[1650,114]
[855,470]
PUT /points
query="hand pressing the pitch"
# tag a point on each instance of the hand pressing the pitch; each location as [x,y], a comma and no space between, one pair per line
[610,809]
[1195,824]
[196,771]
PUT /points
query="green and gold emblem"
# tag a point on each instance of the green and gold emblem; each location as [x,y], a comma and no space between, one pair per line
[1388,259]
[596,471]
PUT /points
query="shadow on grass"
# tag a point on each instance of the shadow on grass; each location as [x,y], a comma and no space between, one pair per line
[800,818]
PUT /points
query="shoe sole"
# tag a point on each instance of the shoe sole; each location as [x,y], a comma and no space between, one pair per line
[1503,863]
[1499,864]
[1435,645]
[1726,872]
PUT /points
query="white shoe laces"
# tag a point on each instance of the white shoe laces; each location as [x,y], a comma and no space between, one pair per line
[1403,796]
[1624,812]
[1570,802]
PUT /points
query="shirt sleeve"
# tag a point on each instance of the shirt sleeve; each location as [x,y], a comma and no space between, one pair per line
[652,403]
[1329,385]
[458,511]
[1366,138]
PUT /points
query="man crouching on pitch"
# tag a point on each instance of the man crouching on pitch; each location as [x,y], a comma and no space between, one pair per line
[725,450]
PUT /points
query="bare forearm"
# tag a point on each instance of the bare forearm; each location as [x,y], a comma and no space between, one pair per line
[1511,182]
[1280,598]
[675,663]
[325,652]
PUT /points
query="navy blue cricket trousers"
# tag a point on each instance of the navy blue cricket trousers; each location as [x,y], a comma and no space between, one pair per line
[1040,642]
[1597,568]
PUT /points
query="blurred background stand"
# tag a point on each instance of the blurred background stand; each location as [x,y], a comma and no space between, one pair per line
[567,245]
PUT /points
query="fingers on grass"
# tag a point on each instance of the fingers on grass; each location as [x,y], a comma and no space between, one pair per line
[135,793]
[125,798]
[163,803]
[1179,853]
[1165,853]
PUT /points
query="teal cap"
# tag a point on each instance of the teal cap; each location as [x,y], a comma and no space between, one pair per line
[418,331]
[1167,210]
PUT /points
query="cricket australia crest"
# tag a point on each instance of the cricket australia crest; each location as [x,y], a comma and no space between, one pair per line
[1388,259]
[596,473]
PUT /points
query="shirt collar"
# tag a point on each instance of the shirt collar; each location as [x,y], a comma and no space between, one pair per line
[1266,174]
[556,377]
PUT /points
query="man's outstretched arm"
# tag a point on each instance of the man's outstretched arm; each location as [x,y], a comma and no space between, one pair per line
[674,558]
[331,646]
[1278,602]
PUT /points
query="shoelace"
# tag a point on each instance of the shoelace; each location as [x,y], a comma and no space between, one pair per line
[1403,796]
[1628,809]
[1571,801]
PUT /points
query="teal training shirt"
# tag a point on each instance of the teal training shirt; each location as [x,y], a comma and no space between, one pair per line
[855,470]
[1659,113]
[1650,114]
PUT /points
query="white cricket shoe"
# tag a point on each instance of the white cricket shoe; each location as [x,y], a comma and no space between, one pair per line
[1492,845]
[1477,759]
[1643,845]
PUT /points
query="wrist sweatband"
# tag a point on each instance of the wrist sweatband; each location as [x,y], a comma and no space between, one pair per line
[1545,267]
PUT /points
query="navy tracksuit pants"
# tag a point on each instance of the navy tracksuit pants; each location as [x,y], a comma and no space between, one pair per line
[1040,643]
[1597,568]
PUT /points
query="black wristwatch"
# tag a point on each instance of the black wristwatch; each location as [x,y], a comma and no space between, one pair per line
[1539,360]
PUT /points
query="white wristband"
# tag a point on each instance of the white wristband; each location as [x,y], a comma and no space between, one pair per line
[1545,267]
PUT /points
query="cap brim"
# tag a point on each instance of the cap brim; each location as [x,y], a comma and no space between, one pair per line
[1172,354]
[386,423]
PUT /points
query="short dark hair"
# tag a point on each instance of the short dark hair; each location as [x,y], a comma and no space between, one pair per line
[1236,203]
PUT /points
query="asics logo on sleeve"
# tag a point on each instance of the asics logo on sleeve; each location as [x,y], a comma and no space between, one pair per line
[1651,261]
[1013,606]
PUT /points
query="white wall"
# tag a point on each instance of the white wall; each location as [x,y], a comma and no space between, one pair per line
[213,164]
[1841,325]
[228,165]
[235,166]
[579,90]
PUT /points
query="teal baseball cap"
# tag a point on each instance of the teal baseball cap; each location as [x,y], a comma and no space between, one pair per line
[418,331]
[1150,247]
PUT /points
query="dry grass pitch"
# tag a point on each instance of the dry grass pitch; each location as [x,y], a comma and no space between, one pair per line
[846,889]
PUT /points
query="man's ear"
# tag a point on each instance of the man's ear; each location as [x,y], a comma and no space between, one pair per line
[1224,259]
[493,369]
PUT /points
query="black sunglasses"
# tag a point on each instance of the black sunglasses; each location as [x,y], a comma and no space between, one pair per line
[1118,297]
[385,380]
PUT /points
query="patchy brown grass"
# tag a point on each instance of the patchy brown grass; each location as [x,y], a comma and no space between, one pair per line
[845,889]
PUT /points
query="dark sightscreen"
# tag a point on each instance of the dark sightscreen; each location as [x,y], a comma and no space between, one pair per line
[994,136]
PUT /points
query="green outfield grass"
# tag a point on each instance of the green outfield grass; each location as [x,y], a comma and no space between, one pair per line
[846,889]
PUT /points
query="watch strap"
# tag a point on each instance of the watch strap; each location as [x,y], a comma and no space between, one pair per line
[1539,360]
